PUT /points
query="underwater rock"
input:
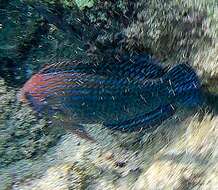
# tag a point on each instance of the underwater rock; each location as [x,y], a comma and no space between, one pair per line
[166,29]
[179,155]
[206,62]
[23,135]
[190,163]
[94,165]
[30,36]
[21,33]
[162,21]
[61,177]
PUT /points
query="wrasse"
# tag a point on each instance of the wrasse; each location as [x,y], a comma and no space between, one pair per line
[135,93]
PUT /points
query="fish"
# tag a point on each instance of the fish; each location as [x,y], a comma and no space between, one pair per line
[133,94]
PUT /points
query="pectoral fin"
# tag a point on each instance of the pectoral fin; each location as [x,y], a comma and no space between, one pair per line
[78,130]
[73,127]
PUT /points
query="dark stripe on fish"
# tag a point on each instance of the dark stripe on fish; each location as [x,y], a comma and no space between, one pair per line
[179,79]
[144,122]
[93,83]
[191,98]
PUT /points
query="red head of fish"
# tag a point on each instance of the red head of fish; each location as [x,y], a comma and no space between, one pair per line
[32,87]
[41,85]
[37,85]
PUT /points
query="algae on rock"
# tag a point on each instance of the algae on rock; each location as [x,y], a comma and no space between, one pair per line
[23,135]
[84,3]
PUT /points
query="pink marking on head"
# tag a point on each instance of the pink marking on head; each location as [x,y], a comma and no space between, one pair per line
[31,86]
[44,79]
[38,84]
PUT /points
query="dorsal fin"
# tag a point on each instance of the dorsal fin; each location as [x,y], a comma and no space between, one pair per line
[64,65]
[137,67]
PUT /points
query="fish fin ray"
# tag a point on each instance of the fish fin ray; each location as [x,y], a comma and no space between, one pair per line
[78,130]
[181,78]
[63,65]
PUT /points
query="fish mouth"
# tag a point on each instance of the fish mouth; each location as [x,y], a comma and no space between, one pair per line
[20,96]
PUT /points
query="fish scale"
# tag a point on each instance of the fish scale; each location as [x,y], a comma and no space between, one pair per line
[138,123]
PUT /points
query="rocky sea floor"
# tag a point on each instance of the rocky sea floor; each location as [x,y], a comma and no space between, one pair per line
[181,154]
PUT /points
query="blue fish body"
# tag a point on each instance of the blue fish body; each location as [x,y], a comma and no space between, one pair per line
[132,94]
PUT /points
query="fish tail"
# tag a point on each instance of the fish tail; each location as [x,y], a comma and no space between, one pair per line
[147,122]
[181,79]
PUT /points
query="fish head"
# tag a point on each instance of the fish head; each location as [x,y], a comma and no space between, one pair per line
[37,92]
[33,94]
[31,87]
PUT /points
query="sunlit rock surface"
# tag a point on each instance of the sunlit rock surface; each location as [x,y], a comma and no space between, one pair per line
[190,163]
[182,156]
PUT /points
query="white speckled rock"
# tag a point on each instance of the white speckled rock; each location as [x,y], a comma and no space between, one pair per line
[190,163]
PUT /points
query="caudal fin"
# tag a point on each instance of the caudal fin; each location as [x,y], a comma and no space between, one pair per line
[181,79]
